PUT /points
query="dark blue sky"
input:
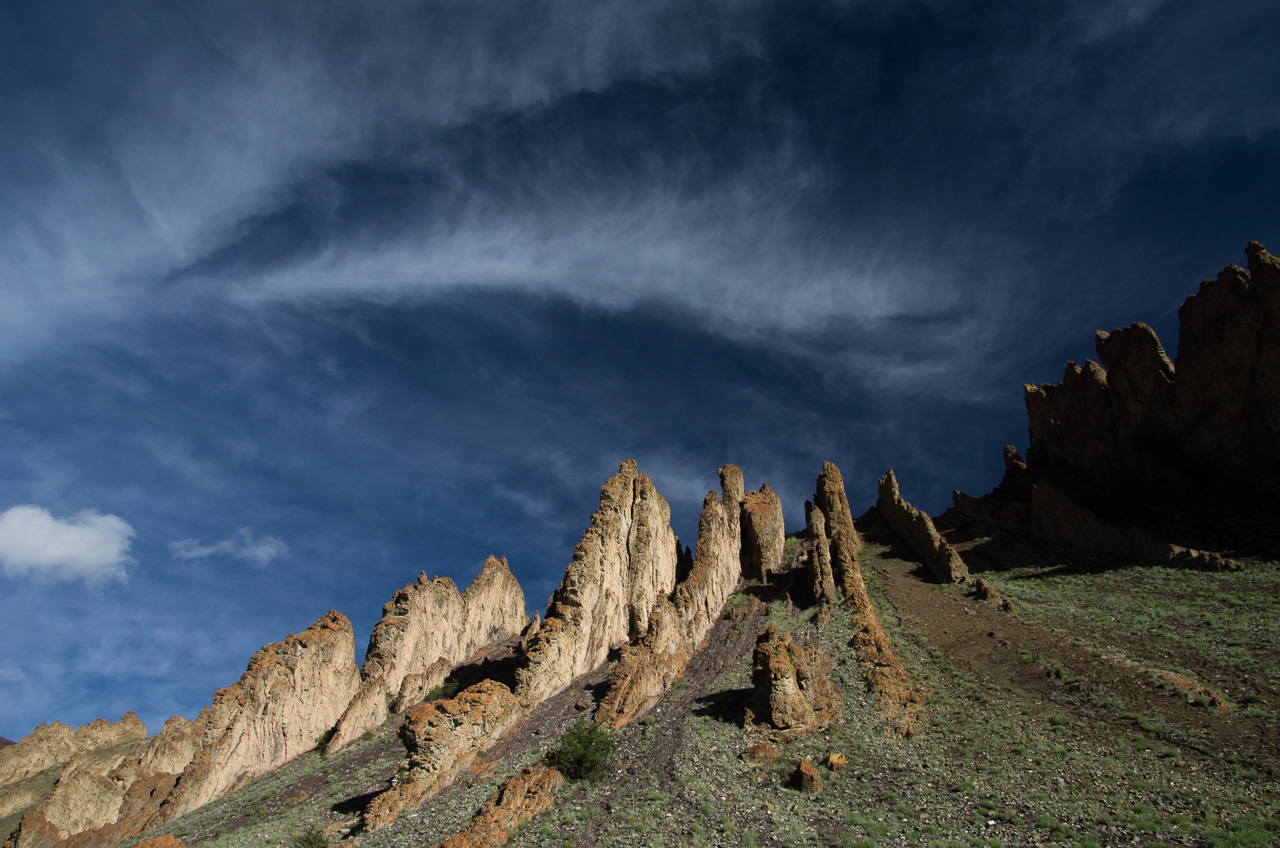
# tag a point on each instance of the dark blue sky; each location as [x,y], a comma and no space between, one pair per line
[301,299]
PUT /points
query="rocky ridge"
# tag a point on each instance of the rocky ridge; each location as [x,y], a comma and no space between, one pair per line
[288,697]
[426,629]
[1122,443]
[916,529]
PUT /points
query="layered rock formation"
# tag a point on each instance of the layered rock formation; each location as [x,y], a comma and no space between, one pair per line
[426,629]
[764,537]
[822,581]
[291,693]
[842,536]
[791,691]
[899,701]
[916,529]
[1115,444]
[57,744]
[679,626]
[623,567]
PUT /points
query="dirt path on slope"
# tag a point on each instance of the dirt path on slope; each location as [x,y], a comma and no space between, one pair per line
[988,644]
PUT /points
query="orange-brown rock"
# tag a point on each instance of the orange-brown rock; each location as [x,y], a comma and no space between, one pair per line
[841,535]
[516,802]
[884,673]
[806,777]
[56,744]
[792,693]
[441,737]
[916,529]
[837,762]
[623,567]
[427,628]
[678,627]
[165,841]
[821,580]
[761,754]
[764,537]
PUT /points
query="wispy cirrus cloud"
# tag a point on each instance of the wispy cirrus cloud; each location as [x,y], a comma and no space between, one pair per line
[244,545]
[87,546]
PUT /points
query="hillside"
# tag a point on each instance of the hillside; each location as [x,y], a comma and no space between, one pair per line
[1089,655]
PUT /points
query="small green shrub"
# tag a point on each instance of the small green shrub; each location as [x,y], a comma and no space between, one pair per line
[584,750]
[445,690]
[789,552]
[312,837]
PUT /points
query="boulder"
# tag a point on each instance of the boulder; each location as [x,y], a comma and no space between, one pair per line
[791,691]
[806,777]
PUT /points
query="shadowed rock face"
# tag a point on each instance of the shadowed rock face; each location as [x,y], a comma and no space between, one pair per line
[1118,444]
[916,529]
[426,629]
[1139,423]
[623,567]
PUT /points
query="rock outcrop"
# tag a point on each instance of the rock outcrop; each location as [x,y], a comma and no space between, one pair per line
[763,536]
[426,629]
[821,580]
[291,693]
[622,569]
[57,744]
[792,693]
[516,802]
[678,627]
[442,737]
[916,529]
[842,536]
[884,673]
[1122,440]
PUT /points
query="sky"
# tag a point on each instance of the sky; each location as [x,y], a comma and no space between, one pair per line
[303,298]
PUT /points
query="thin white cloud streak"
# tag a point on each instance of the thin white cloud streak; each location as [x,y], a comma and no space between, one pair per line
[221,126]
[88,546]
[259,550]
[226,109]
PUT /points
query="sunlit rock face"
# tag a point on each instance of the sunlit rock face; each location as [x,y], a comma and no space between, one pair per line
[426,629]
[623,567]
